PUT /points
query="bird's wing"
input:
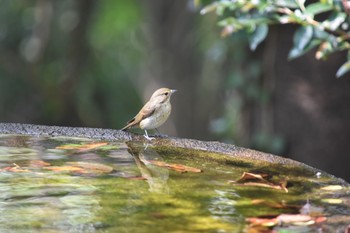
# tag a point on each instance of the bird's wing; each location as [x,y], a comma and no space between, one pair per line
[145,112]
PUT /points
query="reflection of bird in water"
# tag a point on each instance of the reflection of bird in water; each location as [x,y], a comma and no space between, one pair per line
[156,177]
[154,113]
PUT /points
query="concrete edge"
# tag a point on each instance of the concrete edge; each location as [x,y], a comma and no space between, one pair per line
[118,135]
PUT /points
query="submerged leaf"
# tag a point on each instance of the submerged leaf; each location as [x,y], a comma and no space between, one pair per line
[82,168]
[249,176]
[176,167]
[38,163]
[14,168]
[92,167]
[82,147]
[266,185]
[266,222]
[259,180]
[294,219]
[65,169]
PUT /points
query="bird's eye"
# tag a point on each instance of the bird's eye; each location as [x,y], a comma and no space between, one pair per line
[166,93]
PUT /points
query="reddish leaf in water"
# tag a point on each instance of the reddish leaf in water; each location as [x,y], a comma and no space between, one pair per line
[135,178]
[66,169]
[92,167]
[176,167]
[38,163]
[266,185]
[14,168]
[82,147]
[294,219]
[266,222]
[259,180]
[252,176]
[320,219]
[82,168]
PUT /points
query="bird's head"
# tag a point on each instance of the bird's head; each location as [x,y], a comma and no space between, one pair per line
[162,95]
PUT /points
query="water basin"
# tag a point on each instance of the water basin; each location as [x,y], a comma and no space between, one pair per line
[68,184]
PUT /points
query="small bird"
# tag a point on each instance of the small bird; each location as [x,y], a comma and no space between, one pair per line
[154,113]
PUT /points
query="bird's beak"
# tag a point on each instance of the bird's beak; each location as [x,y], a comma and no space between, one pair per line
[173,91]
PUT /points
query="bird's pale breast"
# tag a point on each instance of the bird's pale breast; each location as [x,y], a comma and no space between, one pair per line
[157,118]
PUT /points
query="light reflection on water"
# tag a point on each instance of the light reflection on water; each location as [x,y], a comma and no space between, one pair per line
[137,196]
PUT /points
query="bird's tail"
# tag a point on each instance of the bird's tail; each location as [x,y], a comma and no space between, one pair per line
[125,128]
[130,124]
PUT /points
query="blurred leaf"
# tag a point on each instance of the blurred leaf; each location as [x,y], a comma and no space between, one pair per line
[294,219]
[82,147]
[301,4]
[14,168]
[82,168]
[286,3]
[296,52]
[317,8]
[65,169]
[209,8]
[343,69]
[258,36]
[92,167]
[281,186]
[335,20]
[38,163]
[251,176]
[176,167]
[302,37]
[259,180]
[303,42]
[266,222]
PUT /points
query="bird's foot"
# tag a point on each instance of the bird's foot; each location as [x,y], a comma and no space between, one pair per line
[148,137]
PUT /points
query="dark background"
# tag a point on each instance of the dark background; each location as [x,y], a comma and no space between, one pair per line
[94,63]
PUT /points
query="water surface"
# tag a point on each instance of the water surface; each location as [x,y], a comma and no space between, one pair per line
[59,184]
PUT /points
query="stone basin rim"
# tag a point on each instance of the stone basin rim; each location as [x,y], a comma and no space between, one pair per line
[118,135]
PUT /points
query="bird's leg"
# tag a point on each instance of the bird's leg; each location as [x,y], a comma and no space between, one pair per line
[146,136]
[158,131]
